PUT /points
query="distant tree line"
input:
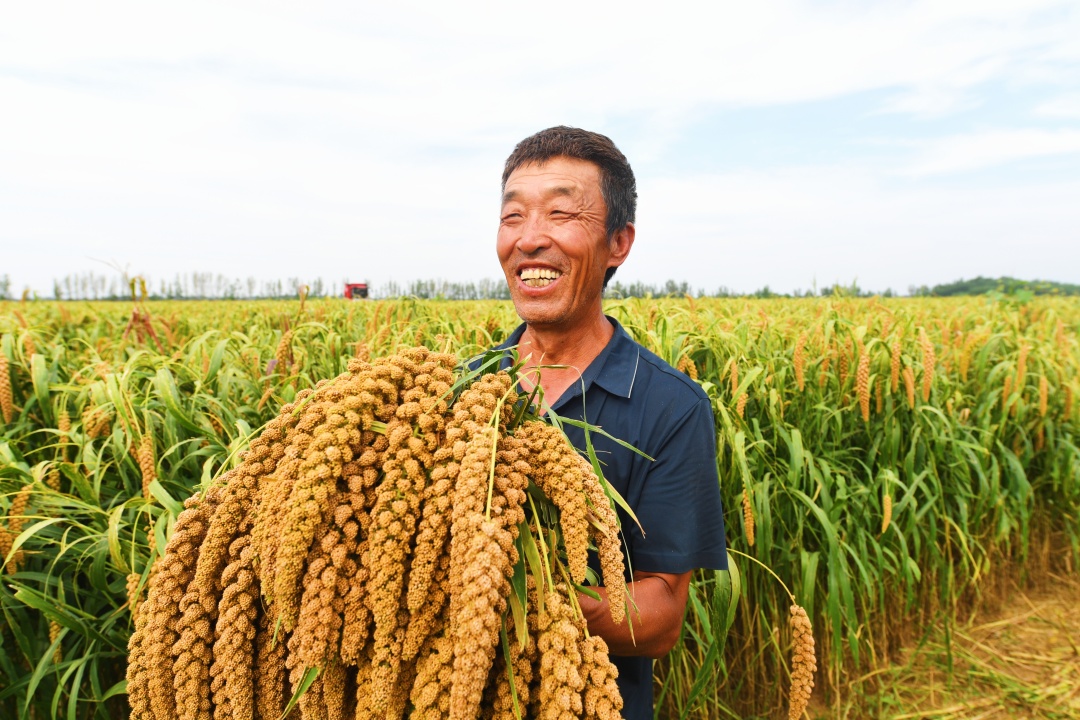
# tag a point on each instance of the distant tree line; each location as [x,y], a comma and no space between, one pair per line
[1003,285]
[211,286]
[189,286]
[485,289]
[680,289]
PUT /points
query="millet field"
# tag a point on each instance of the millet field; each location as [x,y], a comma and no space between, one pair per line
[887,465]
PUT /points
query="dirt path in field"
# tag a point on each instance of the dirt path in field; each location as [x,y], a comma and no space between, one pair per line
[1022,661]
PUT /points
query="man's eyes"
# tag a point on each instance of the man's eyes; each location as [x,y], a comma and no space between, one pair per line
[560,214]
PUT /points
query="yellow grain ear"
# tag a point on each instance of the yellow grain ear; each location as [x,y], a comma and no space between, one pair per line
[803,662]
[929,360]
[748,517]
[7,405]
[886,512]
[862,384]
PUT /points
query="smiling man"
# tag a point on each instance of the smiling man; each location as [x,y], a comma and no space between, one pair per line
[567,223]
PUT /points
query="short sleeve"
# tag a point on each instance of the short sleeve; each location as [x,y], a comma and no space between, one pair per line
[679,504]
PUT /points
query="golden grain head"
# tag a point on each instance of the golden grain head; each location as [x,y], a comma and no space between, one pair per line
[748,517]
[909,386]
[799,360]
[1021,366]
[145,455]
[7,403]
[803,662]
[844,361]
[894,366]
[929,362]
[862,385]
[310,540]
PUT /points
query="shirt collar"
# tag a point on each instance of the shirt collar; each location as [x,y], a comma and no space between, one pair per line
[614,369]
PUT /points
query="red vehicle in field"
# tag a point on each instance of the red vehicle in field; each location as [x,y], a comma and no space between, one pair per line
[356,291]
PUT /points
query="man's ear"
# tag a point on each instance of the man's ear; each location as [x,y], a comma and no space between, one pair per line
[620,245]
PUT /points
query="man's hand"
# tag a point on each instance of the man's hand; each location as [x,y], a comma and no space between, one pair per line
[658,601]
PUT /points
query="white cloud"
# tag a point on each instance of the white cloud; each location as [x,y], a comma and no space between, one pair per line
[446,59]
[1062,106]
[787,228]
[983,149]
[270,139]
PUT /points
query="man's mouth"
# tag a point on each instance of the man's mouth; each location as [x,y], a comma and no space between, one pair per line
[539,277]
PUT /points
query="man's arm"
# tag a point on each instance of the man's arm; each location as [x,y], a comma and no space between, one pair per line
[658,601]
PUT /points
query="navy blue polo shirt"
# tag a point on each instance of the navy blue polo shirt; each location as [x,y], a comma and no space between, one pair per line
[637,397]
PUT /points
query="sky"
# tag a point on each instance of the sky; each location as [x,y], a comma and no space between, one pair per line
[775,143]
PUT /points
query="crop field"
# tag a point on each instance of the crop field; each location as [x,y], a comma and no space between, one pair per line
[894,463]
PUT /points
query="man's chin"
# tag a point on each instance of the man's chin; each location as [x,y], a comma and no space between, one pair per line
[536,315]
[541,320]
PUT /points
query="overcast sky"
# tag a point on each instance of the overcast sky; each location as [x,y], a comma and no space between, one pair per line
[775,143]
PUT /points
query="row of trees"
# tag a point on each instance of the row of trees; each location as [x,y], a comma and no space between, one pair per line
[191,286]
[1002,285]
[211,286]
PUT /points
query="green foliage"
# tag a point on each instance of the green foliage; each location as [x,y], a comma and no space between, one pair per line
[976,476]
[1001,286]
[973,477]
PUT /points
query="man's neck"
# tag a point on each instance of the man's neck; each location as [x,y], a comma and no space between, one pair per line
[575,348]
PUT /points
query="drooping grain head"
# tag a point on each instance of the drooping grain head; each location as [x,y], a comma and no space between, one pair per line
[803,662]
[844,364]
[6,541]
[54,633]
[1021,367]
[16,519]
[862,385]
[147,466]
[800,361]
[966,353]
[284,353]
[886,512]
[7,404]
[748,517]
[929,361]
[894,366]
[909,385]
[686,365]
[29,348]
[132,586]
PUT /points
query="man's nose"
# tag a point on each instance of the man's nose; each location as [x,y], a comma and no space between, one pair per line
[535,234]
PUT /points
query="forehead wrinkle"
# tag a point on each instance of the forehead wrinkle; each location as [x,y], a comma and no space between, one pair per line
[557,191]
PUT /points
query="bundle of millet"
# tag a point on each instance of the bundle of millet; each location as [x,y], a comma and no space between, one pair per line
[365,559]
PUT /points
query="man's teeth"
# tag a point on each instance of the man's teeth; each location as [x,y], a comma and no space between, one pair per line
[539,277]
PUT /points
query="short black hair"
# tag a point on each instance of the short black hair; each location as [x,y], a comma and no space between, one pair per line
[617,184]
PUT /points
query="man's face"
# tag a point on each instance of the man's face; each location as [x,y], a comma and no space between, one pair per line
[552,242]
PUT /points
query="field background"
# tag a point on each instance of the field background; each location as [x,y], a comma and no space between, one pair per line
[902,462]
